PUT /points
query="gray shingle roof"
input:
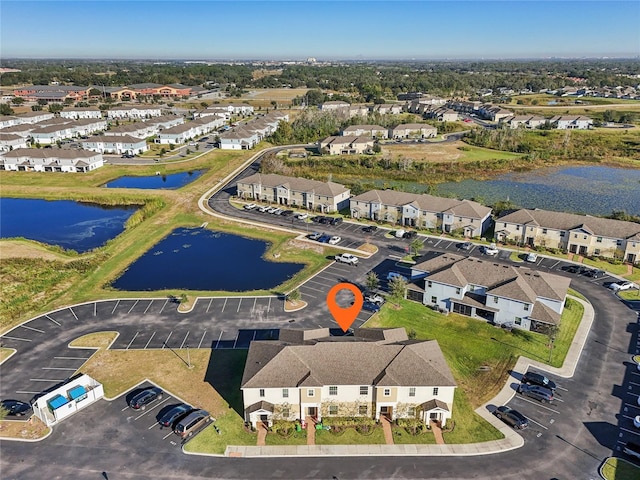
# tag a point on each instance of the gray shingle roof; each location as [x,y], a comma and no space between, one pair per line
[605,227]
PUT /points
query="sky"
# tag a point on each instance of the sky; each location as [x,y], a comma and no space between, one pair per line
[325,30]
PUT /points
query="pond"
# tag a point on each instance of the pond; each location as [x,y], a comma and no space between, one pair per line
[68,224]
[199,259]
[593,190]
[171,181]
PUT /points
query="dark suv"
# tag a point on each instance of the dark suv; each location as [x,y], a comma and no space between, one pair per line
[532,378]
[542,394]
[146,396]
[174,414]
[511,417]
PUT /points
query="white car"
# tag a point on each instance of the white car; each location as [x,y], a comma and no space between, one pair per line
[636,421]
[271,209]
[619,286]
[373,298]
[264,208]
[531,257]
[277,211]
[347,258]
[392,275]
[250,206]
[491,249]
[303,216]
[335,239]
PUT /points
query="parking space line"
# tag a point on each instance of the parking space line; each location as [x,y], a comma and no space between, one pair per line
[145,310]
[152,408]
[239,303]
[202,339]
[95,308]
[635,432]
[254,305]
[627,405]
[47,380]
[53,320]
[437,243]
[538,404]
[164,305]
[168,435]
[236,340]
[635,373]
[155,424]
[73,313]
[71,358]
[28,392]
[561,388]
[224,305]
[309,295]
[59,368]
[124,408]
[218,342]
[633,394]
[350,244]
[167,340]
[185,339]
[150,338]
[16,338]
[31,328]
[115,306]
[209,306]
[134,337]
[539,424]
[133,306]
[269,306]
[315,289]
[633,383]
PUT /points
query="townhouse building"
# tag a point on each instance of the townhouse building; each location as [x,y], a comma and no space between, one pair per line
[50,160]
[165,121]
[524,121]
[87,126]
[493,112]
[115,144]
[413,130]
[571,122]
[51,134]
[7,121]
[79,113]
[238,139]
[374,131]
[442,114]
[133,113]
[346,145]
[35,117]
[422,211]
[580,234]
[137,130]
[296,192]
[53,93]
[334,105]
[307,374]
[11,141]
[387,109]
[500,294]
[190,130]
[462,106]
[23,129]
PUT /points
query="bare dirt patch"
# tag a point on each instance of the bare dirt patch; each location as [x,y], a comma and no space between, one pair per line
[299,244]
[20,249]
[426,152]
[32,429]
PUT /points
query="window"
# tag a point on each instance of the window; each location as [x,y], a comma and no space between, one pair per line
[387,392]
[285,413]
[575,235]
[526,307]
[518,321]
[285,393]
[362,410]
[429,283]
[435,391]
[364,390]
[495,299]
[518,228]
[584,237]
[472,288]
[562,234]
[311,392]
[411,412]
[412,391]
[333,390]
[261,392]
[544,231]
[599,239]
[333,409]
[504,225]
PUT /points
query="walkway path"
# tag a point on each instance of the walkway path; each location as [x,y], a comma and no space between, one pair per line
[437,432]
[311,431]
[262,434]
[386,428]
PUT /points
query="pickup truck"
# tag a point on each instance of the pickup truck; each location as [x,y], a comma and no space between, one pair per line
[347,258]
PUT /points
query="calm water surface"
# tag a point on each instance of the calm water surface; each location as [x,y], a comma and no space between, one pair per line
[172,181]
[71,225]
[199,259]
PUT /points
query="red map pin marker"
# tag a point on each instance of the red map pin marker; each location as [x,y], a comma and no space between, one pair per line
[344,316]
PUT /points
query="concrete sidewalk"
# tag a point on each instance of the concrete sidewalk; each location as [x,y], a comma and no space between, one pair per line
[511,440]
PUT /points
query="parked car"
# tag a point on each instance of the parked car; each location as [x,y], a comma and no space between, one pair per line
[250,206]
[373,297]
[347,258]
[511,417]
[303,216]
[619,286]
[334,240]
[491,249]
[542,394]
[399,233]
[636,421]
[264,208]
[532,378]
[324,238]
[632,449]
[531,257]
[174,414]
[145,397]
[315,236]
[286,213]
[127,155]
[316,219]
[465,246]
[336,220]
[370,229]
[277,211]
[192,422]
[15,408]
[410,234]
[371,307]
[593,273]
[392,275]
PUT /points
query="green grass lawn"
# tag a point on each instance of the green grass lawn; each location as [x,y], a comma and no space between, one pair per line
[619,469]
[350,437]
[632,294]
[232,432]
[403,437]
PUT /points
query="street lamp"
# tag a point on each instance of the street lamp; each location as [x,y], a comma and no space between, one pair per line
[189,358]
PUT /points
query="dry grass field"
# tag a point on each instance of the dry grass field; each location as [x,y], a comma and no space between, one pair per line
[442,152]
[264,97]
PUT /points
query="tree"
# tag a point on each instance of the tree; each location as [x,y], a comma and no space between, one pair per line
[17,100]
[5,109]
[294,295]
[42,102]
[3,412]
[204,104]
[397,289]
[372,281]
[416,246]
[55,108]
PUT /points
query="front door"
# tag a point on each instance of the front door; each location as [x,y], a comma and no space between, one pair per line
[264,417]
[583,249]
[312,411]
[387,412]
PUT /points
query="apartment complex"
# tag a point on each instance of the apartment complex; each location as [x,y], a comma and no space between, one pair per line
[50,160]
